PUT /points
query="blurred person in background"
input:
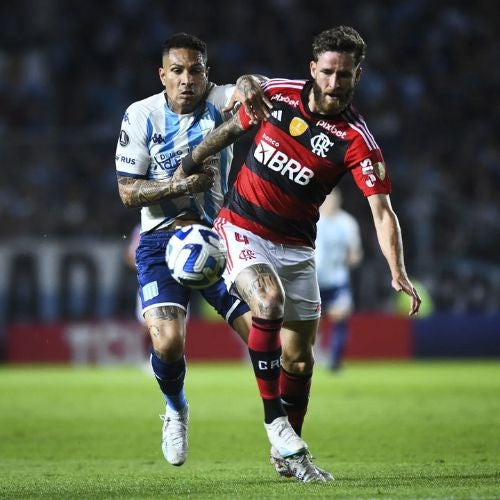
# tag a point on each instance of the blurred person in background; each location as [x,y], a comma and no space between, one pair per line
[338,250]
[156,133]
[130,250]
[313,137]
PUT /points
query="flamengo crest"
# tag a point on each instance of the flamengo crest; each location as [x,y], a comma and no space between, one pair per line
[321,144]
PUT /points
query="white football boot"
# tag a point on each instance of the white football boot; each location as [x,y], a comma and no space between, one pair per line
[174,443]
[283,438]
[284,466]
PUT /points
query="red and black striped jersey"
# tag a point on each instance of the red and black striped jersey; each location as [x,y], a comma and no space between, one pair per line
[295,160]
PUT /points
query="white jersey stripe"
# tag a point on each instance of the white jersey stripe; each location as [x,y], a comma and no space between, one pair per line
[361,128]
[275,82]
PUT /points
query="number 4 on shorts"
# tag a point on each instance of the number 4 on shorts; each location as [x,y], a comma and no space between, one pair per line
[241,238]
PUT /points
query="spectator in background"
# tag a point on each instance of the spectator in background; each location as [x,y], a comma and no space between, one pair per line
[338,250]
[130,250]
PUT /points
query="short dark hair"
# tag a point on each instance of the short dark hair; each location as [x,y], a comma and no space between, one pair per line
[339,39]
[185,41]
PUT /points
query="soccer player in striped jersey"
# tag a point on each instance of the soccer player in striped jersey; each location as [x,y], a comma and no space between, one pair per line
[313,137]
[156,133]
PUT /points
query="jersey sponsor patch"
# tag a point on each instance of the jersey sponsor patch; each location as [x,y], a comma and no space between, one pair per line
[379,169]
[279,162]
[297,126]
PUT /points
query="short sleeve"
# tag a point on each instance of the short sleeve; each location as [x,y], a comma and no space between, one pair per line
[132,156]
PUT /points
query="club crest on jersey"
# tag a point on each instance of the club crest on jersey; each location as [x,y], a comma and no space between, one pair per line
[321,144]
[379,169]
[297,126]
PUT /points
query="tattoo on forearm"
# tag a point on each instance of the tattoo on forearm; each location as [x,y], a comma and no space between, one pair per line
[218,139]
[141,193]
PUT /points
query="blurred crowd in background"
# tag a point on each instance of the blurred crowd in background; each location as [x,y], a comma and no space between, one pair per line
[429,93]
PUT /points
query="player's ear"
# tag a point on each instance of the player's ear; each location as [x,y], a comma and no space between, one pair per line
[161,72]
[312,67]
[358,74]
[207,71]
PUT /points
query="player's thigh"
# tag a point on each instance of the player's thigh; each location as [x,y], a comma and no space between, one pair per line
[297,340]
[157,287]
[297,271]
[260,287]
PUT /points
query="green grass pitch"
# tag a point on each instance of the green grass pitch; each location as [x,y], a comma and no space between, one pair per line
[385,430]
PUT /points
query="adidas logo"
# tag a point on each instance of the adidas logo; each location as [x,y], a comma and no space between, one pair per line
[278,113]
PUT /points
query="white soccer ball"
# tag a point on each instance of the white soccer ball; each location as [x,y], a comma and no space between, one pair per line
[196,256]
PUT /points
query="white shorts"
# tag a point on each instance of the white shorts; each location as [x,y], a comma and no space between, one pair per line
[295,265]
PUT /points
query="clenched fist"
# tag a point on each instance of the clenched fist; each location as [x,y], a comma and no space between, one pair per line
[193,183]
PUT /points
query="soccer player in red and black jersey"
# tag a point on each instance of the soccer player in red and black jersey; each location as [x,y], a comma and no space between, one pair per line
[312,137]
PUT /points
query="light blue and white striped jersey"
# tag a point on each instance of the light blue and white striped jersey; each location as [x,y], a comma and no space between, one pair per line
[152,141]
[337,235]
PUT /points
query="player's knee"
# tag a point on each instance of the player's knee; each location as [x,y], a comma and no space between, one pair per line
[167,344]
[271,304]
[296,361]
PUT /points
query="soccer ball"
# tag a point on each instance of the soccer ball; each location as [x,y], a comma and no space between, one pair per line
[196,256]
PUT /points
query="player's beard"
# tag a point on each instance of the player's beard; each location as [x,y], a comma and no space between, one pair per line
[327,108]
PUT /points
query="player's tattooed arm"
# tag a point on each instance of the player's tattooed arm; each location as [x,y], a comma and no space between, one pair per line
[218,139]
[248,92]
[136,193]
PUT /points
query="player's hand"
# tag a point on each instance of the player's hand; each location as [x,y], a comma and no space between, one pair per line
[403,284]
[249,93]
[198,183]
[210,166]
[194,183]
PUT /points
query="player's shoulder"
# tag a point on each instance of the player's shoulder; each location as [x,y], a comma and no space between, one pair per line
[357,127]
[283,83]
[147,105]
[283,86]
[219,95]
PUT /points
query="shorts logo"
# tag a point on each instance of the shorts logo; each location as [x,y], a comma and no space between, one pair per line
[297,126]
[321,144]
[246,255]
[150,291]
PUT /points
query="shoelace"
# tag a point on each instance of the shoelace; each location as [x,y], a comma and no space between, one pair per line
[308,471]
[286,432]
[175,428]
